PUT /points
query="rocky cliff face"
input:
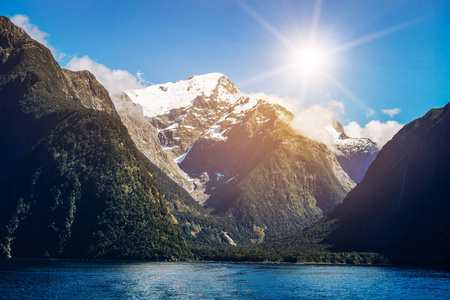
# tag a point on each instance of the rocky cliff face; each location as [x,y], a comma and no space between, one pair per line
[72,182]
[82,87]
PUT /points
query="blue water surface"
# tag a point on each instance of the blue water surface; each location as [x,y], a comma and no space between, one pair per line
[43,279]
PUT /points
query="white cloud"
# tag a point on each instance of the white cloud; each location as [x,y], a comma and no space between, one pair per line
[141,80]
[378,132]
[35,33]
[391,112]
[115,81]
[370,112]
[312,123]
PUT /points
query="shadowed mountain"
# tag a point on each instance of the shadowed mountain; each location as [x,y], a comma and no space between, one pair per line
[72,182]
[402,206]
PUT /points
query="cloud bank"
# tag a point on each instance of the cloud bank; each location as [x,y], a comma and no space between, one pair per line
[312,123]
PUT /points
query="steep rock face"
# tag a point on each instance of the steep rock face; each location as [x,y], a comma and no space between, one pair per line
[182,111]
[164,120]
[82,87]
[198,225]
[145,136]
[353,154]
[402,206]
[72,183]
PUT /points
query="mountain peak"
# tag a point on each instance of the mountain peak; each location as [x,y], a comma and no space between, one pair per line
[159,99]
[213,76]
[354,154]
[12,36]
[6,25]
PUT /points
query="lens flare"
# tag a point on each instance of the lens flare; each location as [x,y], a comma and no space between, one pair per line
[310,60]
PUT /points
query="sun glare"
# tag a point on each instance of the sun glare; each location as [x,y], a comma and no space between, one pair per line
[310,60]
[312,63]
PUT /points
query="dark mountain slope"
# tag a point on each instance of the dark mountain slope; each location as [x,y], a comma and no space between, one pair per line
[72,182]
[402,207]
[400,210]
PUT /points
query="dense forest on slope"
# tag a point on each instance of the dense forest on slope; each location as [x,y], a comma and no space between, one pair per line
[304,247]
[198,225]
[72,182]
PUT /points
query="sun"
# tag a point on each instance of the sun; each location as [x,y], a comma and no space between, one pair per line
[310,59]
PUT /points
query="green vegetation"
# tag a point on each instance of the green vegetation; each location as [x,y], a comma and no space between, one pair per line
[198,225]
[304,247]
[72,183]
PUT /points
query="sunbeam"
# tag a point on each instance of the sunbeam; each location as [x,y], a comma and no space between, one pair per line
[267,75]
[345,90]
[315,20]
[272,30]
[374,36]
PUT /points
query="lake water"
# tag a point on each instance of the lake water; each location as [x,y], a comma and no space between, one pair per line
[40,279]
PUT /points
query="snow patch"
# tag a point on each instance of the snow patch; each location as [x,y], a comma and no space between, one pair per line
[245,105]
[168,148]
[171,127]
[230,179]
[179,159]
[214,132]
[217,130]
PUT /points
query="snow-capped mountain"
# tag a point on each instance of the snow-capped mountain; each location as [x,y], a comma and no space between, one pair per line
[160,99]
[164,120]
[354,154]
[183,110]
[238,154]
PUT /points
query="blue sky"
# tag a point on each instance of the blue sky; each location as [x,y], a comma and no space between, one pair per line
[398,54]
